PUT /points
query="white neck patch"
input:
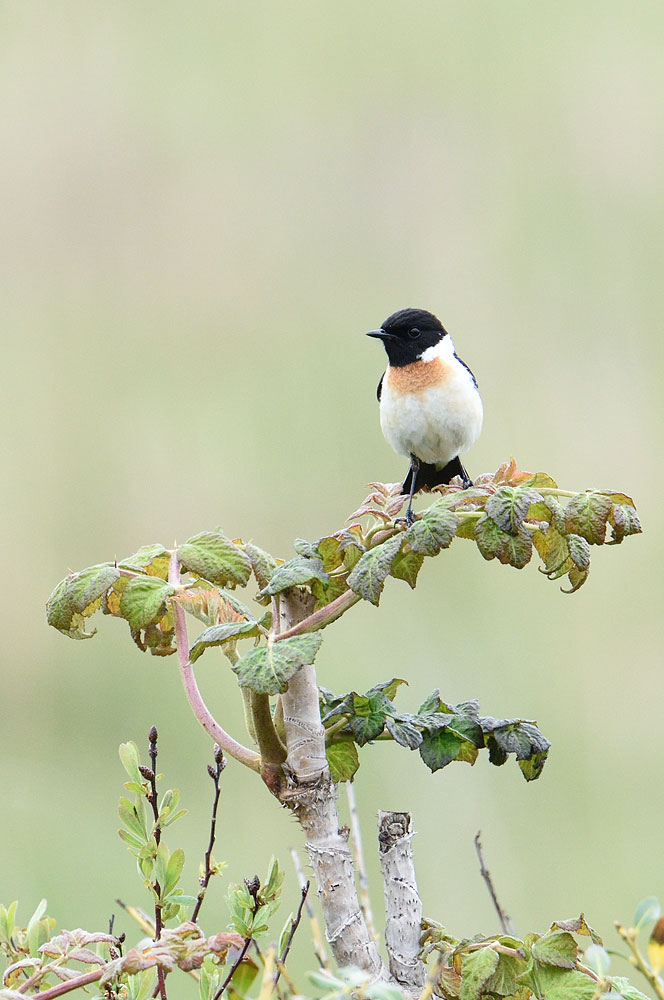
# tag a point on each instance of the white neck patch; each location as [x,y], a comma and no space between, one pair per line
[444,350]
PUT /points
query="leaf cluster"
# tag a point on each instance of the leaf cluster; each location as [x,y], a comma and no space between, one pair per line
[552,965]
[441,732]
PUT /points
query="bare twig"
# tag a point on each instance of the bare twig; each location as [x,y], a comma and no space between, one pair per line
[215,773]
[234,968]
[314,926]
[150,774]
[358,855]
[294,926]
[505,922]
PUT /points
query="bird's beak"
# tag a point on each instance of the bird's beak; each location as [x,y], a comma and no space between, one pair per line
[381,335]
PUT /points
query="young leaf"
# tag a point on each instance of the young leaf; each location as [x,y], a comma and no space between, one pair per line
[173,871]
[477,968]
[342,759]
[267,669]
[295,572]
[586,515]
[143,600]
[130,760]
[150,559]
[649,909]
[262,563]
[624,521]
[434,530]
[217,635]
[508,506]
[216,558]
[406,566]
[77,597]
[556,948]
[369,575]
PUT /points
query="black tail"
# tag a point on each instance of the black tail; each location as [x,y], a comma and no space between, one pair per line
[429,476]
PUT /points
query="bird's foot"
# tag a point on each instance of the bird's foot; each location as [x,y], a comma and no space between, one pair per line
[407,520]
[466,483]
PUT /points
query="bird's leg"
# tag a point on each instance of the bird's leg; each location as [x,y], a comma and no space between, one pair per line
[414,469]
[466,481]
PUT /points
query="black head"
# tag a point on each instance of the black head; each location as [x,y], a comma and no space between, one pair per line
[407,334]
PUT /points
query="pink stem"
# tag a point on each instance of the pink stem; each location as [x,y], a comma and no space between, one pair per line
[70,984]
[234,749]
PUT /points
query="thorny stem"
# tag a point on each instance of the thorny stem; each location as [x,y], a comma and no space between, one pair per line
[215,773]
[629,936]
[234,749]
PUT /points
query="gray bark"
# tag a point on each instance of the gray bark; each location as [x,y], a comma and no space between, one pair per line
[403,907]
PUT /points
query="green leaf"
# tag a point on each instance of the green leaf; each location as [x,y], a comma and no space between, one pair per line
[342,759]
[553,983]
[503,982]
[578,925]
[150,559]
[267,669]
[143,600]
[173,871]
[130,761]
[623,986]
[648,911]
[434,530]
[477,967]
[216,558]
[404,731]
[556,948]
[331,552]
[440,747]
[262,563]
[77,597]
[294,573]
[217,635]
[388,688]
[587,514]
[595,957]
[369,575]
[325,593]
[406,566]
[508,506]
[132,818]
[368,719]
[624,520]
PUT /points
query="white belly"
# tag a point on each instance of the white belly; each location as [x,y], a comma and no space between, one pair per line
[435,423]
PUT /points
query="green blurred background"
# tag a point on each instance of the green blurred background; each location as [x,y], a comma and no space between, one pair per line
[205,206]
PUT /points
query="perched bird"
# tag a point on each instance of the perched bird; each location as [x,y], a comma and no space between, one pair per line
[430,407]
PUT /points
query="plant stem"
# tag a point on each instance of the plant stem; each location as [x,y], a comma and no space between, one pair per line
[71,984]
[324,616]
[629,936]
[234,749]
[294,926]
[215,774]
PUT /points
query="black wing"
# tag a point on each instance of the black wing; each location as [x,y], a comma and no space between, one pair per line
[380,387]
[467,368]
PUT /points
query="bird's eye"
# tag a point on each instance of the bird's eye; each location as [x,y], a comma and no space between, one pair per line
[413,333]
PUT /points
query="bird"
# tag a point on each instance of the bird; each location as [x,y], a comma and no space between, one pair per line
[430,406]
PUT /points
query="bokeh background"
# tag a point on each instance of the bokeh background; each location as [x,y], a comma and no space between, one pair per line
[204,208]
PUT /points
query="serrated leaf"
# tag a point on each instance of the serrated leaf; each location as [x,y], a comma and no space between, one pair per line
[586,515]
[440,747]
[556,948]
[508,506]
[296,572]
[77,596]
[143,600]
[403,730]
[624,521]
[267,669]
[217,635]
[477,967]
[325,593]
[406,566]
[555,983]
[369,575]
[342,760]
[262,563]
[150,559]
[578,925]
[215,558]
[388,688]
[368,719]
[434,530]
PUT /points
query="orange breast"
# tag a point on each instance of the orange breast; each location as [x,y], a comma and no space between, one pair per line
[418,376]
